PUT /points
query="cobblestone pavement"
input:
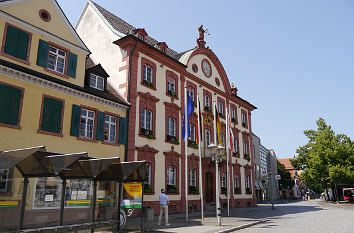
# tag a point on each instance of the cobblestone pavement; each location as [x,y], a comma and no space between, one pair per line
[311,216]
[296,216]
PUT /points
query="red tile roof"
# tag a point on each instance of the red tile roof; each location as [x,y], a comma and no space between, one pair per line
[286,163]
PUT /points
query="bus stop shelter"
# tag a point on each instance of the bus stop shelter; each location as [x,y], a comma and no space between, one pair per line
[37,162]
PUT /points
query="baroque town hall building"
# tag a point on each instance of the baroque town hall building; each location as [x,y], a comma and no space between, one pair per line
[152,77]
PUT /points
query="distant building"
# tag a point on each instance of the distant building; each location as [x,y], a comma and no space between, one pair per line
[272,172]
[297,191]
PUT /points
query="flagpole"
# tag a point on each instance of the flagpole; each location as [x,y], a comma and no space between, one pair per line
[186,148]
[200,160]
[227,161]
[215,129]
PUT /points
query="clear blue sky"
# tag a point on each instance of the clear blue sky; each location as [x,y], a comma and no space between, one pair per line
[294,60]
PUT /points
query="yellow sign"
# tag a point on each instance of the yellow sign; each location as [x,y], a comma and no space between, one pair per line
[134,189]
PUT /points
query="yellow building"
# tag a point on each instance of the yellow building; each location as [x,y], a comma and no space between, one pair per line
[51,94]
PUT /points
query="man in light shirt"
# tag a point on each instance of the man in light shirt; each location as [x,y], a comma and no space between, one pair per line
[163,207]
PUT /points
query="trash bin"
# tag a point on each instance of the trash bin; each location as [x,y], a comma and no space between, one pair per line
[149,214]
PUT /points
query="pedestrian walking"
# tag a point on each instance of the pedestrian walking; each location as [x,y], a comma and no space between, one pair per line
[163,207]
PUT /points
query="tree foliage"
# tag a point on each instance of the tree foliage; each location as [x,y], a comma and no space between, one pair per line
[285,181]
[327,158]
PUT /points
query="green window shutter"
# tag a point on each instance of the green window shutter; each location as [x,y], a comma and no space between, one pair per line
[123,130]
[72,65]
[10,103]
[100,126]
[42,55]
[75,120]
[52,115]
[17,42]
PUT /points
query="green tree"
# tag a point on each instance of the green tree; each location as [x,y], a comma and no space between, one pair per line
[326,159]
[285,177]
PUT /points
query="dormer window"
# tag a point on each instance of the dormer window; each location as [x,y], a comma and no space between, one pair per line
[162,46]
[96,82]
[163,50]
[140,33]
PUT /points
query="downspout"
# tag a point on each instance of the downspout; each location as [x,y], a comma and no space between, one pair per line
[129,84]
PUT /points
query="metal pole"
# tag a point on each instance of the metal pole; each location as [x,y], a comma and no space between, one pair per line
[186,149]
[23,204]
[200,162]
[271,187]
[218,210]
[93,204]
[227,161]
[119,197]
[142,206]
[62,201]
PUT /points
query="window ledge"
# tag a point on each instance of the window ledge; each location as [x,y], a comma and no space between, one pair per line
[49,133]
[144,136]
[10,126]
[145,85]
[87,139]
[15,58]
[173,193]
[175,97]
[110,143]
[56,73]
[171,142]
[153,193]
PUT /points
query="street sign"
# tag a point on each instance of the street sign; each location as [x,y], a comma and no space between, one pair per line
[264,172]
[277,177]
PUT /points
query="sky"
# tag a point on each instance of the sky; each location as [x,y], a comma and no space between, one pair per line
[293,60]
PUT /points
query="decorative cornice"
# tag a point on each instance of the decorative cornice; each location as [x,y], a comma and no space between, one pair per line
[172,152]
[147,149]
[172,105]
[148,95]
[193,157]
[58,87]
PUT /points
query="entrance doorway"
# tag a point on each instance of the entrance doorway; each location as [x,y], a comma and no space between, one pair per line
[209,194]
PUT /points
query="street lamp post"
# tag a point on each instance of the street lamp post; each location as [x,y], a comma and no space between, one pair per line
[216,153]
[271,187]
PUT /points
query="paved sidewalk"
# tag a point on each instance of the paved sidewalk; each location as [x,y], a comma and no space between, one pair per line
[239,218]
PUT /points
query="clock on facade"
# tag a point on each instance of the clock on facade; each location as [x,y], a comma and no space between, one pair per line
[206,67]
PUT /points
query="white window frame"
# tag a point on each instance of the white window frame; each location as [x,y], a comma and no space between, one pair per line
[94,82]
[207,137]
[171,85]
[244,120]
[235,144]
[245,148]
[110,127]
[146,70]
[171,176]
[223,181]
[89,129]
[171,126]
[146,119]
[193,132]
[148,168]
[233,113]
[191,92]
[207,101]
[56,54]
[236,182]
[221,107]
[193,177]
[248,182]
